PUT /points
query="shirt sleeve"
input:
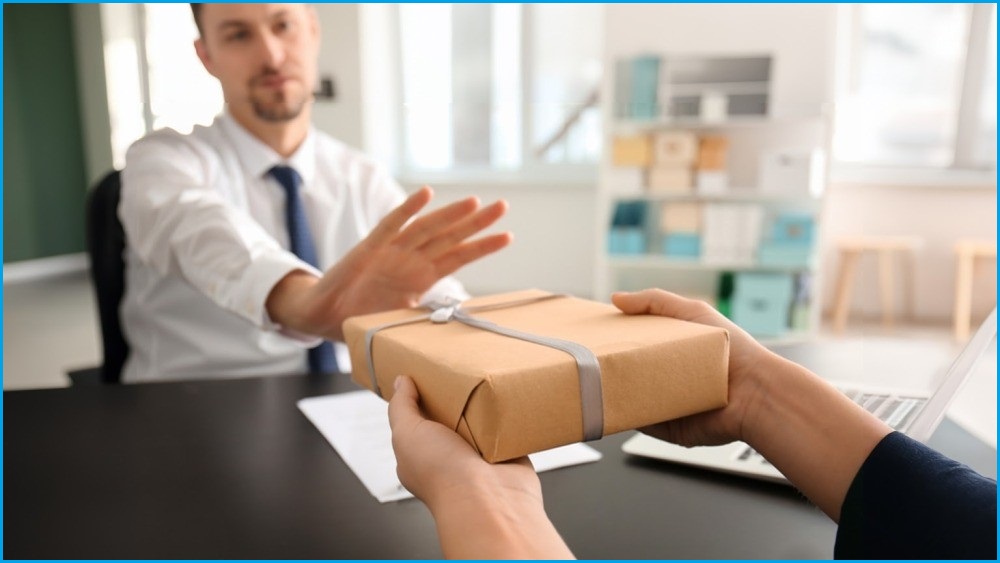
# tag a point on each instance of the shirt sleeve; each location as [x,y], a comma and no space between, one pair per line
[179,225]
[910,502]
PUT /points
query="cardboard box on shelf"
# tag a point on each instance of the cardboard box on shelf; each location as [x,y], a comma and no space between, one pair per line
[509,397]
[680,216]
[675,147]
[712,153]
[670,178]
[633,150]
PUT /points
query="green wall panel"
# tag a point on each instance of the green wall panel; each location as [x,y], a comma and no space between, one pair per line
[44,181]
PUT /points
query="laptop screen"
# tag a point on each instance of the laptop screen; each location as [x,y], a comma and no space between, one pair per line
[930,416]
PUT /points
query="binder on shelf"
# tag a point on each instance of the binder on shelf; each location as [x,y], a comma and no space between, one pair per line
[801,302]
[731,233]
[711,182]
[645,80]
[623,88]
[724,295]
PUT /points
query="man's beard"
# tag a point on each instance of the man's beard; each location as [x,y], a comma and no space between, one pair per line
[276,106]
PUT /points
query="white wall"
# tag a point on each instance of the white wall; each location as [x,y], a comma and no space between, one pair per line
[340,59]
[553,238]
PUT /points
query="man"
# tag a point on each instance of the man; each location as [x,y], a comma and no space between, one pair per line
[230,228]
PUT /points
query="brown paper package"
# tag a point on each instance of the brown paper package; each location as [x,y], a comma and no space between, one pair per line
[508,397]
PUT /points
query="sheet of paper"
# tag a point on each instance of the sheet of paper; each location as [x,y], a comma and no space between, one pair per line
[357,425]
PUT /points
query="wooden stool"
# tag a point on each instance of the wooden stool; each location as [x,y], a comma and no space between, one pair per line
[967,250]
[884,247]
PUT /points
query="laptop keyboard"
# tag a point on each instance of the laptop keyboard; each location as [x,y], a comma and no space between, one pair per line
[897,412]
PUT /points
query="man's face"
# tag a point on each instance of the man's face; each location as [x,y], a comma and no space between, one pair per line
[263,54]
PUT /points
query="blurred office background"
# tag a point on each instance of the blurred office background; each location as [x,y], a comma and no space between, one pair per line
[517,102]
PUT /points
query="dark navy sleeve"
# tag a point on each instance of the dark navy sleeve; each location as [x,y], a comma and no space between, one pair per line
[910,502]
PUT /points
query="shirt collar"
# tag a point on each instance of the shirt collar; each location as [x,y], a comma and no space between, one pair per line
[257,158]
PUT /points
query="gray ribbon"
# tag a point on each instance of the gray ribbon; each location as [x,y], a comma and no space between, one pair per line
[589,369]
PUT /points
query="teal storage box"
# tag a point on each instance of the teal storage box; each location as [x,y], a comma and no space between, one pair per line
[682,245]
[626,241]
[761,302]
[793,228]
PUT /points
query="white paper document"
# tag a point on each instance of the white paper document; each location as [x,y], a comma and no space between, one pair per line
[357,425]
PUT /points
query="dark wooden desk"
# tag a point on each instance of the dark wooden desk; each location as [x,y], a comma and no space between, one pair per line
[232,469]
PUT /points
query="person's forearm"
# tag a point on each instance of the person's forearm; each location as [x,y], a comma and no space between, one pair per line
[487,523]
[289,304]
[810,431]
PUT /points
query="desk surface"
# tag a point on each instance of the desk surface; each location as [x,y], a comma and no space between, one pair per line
[232,469]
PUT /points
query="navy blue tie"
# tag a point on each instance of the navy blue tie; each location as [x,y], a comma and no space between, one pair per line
[321,358]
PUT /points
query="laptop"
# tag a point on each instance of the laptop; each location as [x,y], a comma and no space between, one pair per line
[916,413]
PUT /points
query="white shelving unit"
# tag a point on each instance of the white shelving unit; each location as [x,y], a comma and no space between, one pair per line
[749,138]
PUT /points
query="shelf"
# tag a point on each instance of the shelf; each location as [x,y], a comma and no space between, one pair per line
[752,211]
[724,88]
[626,126]
[750,196]
[658,262]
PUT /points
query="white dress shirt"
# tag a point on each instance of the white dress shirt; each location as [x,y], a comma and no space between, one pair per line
[207,241]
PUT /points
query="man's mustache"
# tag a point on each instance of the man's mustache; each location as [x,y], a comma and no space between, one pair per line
[265,74]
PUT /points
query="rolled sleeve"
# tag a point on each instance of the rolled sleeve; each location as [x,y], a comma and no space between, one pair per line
[180,225]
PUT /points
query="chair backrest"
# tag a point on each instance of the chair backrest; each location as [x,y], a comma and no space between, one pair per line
[106,247]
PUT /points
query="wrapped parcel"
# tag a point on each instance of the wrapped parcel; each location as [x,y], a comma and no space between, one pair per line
[521,372]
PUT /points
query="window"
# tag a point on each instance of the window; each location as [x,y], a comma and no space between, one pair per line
[154,77]
[502,87]
[181,92]
[921,86]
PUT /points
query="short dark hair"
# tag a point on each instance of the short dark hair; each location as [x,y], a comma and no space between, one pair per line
[196,12]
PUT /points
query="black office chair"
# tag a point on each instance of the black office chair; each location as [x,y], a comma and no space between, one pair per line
[105,248]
